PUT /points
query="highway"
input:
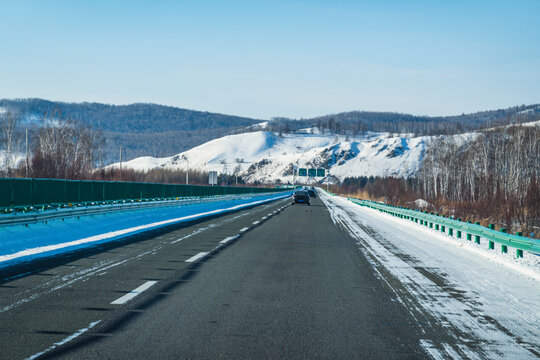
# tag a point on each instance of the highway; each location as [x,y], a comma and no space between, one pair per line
[272,282]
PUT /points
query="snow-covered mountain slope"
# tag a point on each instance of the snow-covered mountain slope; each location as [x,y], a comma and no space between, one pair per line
[266,157]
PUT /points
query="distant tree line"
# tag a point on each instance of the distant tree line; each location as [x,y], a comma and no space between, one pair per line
[64,149]
[159,131]
[140,129]
[360,122]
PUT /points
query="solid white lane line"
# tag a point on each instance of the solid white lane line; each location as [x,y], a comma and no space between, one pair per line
[66,340]
[197,257]
[255,222]
[244,229]
[130,295]
[226,240]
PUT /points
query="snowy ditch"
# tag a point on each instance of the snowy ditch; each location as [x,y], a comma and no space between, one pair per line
[470,302]
[21,243]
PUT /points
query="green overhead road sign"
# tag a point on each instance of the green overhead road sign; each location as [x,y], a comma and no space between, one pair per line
[312,172]
[320,173]
[302,172]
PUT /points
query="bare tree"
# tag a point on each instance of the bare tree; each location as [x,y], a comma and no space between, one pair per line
[8,124]
[64,149]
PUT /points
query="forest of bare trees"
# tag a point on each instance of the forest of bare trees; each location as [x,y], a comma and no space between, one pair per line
[496,173]
[65,150]
[490,176]
[58,148]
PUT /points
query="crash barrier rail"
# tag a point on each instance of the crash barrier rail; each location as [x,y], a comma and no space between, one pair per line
[22,218]
[448,226]
[32,193]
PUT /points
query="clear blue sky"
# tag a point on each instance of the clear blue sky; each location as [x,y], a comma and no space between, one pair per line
[279,58]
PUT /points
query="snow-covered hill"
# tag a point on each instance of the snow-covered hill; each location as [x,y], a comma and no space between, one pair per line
[267,157]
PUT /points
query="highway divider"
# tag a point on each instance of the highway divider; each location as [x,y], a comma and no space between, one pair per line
[458,228]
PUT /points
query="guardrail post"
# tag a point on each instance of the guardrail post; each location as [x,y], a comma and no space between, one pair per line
[436,226]
[431,225]
[504,248]
[459,234]
[477,237]
[519,253]
[450,231]
[469,237]
[442,228]
[491,244]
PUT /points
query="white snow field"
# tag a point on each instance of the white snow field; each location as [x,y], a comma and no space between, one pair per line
[469,301]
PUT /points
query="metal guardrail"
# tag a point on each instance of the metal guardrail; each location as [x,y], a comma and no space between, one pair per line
[100,208]
[447,225]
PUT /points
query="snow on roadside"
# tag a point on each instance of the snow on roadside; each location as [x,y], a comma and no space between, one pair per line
[19,243]
[421,203]
[487,302]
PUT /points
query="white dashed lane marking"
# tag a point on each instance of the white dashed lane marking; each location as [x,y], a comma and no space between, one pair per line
[226,240]
[197,257]
[124,299]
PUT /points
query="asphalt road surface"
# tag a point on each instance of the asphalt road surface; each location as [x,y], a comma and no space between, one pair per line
[277,281]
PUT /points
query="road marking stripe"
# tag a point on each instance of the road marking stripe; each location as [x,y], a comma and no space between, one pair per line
[244,229]
[255,222]
[264,218]
[124,299]
[197,257]
[226,240]
[66,340]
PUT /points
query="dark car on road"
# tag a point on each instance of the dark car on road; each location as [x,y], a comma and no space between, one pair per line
[312,193]
[301,197]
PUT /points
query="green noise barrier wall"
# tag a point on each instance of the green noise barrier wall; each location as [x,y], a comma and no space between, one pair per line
[37,192]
